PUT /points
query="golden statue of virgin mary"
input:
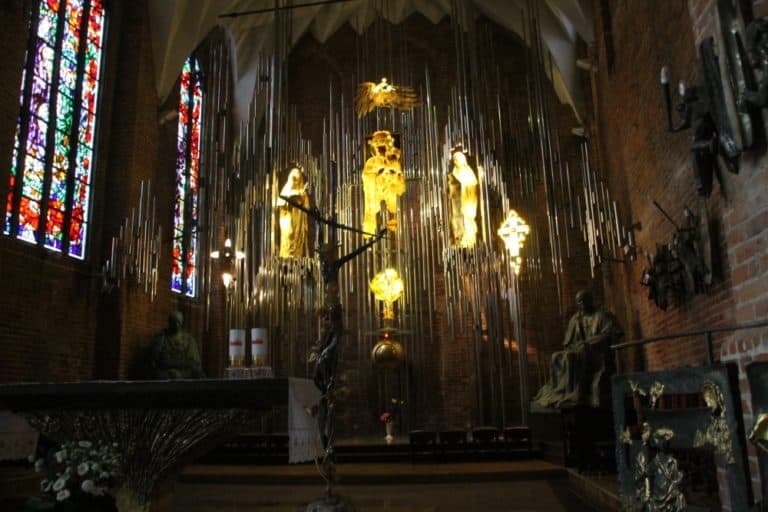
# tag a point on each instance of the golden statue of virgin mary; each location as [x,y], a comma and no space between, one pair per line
[292,184]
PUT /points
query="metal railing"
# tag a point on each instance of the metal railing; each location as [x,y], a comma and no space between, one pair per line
[706,333]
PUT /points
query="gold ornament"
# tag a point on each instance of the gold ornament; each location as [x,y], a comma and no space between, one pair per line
[385,95]
[513,232]
[387,353]
[656,392]
[387,287]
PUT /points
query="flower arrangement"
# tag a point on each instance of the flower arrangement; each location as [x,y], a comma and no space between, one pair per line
[78,469]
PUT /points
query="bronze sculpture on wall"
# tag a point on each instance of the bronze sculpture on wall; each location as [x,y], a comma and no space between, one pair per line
[716,434]
[723,110]
[657,475]
[734,61]
[683,267]
[703,109]
[663,277]
[578,375]
[757,48]
[658,416]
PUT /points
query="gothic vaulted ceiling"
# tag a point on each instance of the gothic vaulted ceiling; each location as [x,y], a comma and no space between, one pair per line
[178,26]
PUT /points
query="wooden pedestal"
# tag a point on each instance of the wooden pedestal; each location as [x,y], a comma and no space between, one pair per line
[580,437]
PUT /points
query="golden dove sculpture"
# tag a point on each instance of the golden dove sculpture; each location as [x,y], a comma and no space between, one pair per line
[371,95]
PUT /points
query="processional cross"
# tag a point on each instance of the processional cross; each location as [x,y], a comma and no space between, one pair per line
[324,353]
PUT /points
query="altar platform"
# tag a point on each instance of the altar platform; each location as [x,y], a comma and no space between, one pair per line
[372,473]
[417,446]
[528,485]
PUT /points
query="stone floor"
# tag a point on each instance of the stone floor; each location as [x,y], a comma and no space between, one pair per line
[517,496]
[514,486]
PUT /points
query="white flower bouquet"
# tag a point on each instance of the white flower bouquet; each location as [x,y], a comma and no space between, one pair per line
[78,469]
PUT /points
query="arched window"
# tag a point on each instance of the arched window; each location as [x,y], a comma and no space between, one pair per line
[49,193]
[186,206]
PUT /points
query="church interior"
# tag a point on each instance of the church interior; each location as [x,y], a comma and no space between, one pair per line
[386,255]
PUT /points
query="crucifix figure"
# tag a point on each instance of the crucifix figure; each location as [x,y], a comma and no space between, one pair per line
[324,353]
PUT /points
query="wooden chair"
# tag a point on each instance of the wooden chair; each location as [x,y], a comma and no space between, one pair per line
[485,440]
[453,442]
[517,439]
[422,443]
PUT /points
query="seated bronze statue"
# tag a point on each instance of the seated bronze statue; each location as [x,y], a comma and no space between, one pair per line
[173,353]
[579,374]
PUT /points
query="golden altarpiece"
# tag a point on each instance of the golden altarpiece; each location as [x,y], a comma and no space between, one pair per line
[455,155]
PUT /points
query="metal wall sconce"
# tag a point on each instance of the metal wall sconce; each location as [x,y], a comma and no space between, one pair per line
[702,109]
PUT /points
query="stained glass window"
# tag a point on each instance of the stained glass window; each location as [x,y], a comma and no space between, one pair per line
[185,211]
[50,180]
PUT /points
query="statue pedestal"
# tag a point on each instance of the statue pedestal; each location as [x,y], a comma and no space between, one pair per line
[547,438]
[580,437]
[332,504]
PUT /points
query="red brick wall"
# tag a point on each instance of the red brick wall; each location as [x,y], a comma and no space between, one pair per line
[745,219]
[644,161]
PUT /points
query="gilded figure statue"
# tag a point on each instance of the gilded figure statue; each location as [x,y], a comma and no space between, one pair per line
[292,184]
[717,434]
[657,475]
[462,199]
[759,434]
[383,180]
[579,374]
